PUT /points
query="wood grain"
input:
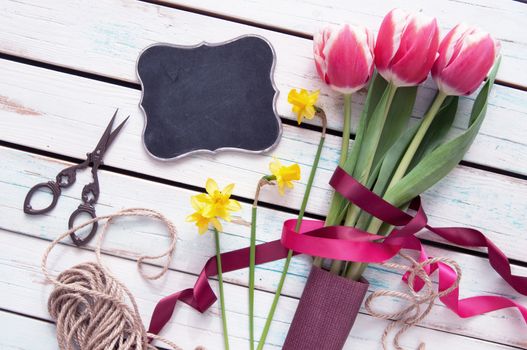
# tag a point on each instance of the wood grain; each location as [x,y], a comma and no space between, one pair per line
[500,18]
[26,292]
[129,238]
[19,332]
[74,111]
[109,39]
[66,114]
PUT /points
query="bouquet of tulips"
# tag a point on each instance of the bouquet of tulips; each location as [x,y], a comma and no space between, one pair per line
[390,156]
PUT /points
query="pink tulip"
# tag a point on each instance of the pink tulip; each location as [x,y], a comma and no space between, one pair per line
[406,47]
[344,57]
[466,55]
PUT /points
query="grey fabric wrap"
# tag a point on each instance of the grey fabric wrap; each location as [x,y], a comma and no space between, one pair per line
[326,312]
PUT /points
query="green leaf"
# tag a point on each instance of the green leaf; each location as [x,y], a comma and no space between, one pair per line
[372,135]
[438,163]
[339,204]
[386,168]
[392,158]
[438,130]
[396,121]
[375,91]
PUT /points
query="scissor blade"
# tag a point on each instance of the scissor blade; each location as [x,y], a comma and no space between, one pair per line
[115,132]
[103,141]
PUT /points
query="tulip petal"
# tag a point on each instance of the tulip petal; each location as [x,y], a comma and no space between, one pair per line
[344,57]
[389,38]
[417,52]
[466,55]
[348,67]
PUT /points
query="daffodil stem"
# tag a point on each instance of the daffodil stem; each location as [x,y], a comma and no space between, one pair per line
[252,259]
[222,298]
[300,217]
[252,254]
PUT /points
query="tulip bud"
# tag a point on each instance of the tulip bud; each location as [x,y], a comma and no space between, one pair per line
[406,47]
[344,57]
[466,56]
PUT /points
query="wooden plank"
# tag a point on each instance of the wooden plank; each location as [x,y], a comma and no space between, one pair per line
[19,332]
[306,17]
[110,39]
[129,238]
[26,292]
[67,122]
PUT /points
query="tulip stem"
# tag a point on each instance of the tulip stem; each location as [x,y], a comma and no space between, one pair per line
[222,298]
[299,219]
[346,131]
[336,200]
[356,269]
[402,168]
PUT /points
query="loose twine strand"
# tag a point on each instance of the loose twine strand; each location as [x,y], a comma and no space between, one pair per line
[411,315]
[90,305]
[91,312]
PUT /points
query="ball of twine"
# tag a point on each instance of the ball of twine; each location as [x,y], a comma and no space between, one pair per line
[93,310]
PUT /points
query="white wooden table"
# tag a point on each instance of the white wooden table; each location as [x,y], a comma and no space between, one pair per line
[66,65]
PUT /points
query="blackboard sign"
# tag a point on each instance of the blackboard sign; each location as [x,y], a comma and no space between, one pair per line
[209,97]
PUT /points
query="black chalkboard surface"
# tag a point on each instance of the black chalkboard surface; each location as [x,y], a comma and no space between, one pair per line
[209,97]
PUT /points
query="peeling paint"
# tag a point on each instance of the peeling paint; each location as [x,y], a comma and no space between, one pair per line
[10,105]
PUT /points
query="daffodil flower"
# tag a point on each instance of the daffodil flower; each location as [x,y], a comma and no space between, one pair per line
[208,208]
[202,222]
[216,203]
[303,103]
[284,175]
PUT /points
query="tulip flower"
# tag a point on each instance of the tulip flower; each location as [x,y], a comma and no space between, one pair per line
[406,47]
[344,57]
[344,61]
[466,55]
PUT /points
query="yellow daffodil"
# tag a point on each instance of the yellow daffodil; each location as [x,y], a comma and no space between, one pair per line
[303,103]
[285,175]
[202,222]
[218,203]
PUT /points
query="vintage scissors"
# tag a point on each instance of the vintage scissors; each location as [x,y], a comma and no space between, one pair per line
[67,177]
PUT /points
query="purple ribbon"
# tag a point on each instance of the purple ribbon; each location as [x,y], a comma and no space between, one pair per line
[351,244]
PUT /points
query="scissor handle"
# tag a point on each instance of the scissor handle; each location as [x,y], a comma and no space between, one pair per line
[83,208]
[67,177]
[55,193]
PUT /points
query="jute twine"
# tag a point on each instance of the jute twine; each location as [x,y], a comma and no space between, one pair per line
[412,314]
[93,310]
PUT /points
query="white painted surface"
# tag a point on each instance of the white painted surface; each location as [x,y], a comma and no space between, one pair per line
[65,114]
[112,34]
[501,18]
[62,108]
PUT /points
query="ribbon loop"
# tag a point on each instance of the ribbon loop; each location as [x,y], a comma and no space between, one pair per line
[348,243]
